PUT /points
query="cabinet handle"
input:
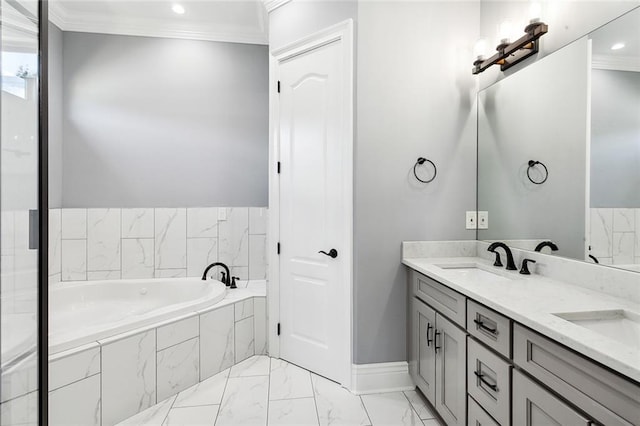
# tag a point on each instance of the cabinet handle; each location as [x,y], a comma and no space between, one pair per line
[485,328]
[492,386]
[435,341]
[429,328]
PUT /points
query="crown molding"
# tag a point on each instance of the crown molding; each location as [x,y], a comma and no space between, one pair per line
[616,63]
[272,5]
[94,23]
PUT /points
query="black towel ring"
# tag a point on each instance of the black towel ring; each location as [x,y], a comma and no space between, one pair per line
[421,161]
[532,164]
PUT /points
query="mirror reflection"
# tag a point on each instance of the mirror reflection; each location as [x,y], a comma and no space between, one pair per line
[559,150]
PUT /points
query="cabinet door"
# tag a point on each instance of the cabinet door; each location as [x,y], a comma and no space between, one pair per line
[451,367]
[535,406]
[423,329]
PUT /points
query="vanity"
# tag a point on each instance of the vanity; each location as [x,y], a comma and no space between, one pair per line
[489,346]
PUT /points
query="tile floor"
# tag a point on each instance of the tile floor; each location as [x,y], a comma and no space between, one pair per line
[269,391]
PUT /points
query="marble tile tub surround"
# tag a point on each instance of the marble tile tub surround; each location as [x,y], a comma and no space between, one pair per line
[558,285]
[118,377]
[114,243]
[614,235]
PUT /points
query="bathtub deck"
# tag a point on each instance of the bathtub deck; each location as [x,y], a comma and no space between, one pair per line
[269,391]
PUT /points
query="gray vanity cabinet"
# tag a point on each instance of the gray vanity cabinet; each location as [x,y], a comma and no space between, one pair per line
[438,348]
[535,406]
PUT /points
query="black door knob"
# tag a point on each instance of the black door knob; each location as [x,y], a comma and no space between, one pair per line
[333,253]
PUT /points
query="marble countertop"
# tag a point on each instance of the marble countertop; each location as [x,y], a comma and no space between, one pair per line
[532,300]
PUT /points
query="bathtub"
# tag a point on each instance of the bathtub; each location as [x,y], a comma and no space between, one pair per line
[87,311]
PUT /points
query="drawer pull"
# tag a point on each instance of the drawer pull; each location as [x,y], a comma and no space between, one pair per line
[435,342]
[429,339]
[481,325]
[492,386]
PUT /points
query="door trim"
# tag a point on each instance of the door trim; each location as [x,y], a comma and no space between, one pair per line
[340,32]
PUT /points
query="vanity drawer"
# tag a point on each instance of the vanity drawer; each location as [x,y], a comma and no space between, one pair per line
[488,326]
[489,381]
[440,297]
[608,398]
[477,416]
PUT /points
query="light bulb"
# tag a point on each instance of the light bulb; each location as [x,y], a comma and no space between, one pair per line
[535,12]
[480,49]
[504,31]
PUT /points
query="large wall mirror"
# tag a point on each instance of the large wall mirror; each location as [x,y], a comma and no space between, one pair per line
[559,150]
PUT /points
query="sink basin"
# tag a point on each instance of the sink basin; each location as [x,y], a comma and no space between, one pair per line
[474,271]
[617,324]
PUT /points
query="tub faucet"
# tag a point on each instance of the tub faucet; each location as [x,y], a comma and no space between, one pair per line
[511,266]
[544,244]
[226,276]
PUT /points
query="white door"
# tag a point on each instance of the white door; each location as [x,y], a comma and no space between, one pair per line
[314,215]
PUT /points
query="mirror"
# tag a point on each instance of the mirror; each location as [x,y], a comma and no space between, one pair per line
[559,150]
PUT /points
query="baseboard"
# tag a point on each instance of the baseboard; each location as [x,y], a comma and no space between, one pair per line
[380,377]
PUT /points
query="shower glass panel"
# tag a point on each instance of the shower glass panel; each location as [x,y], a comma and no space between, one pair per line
[19,125]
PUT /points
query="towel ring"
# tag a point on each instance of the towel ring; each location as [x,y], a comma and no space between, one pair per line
[421,161]
[532,164]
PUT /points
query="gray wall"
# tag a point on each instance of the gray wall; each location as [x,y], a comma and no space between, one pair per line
[415,97]
[540,113]
[615,139]
[55,116]
[151,122]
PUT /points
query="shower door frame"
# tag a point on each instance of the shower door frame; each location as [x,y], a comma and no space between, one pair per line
[43,213]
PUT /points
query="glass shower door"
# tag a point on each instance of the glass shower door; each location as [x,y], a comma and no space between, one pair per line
[19,218]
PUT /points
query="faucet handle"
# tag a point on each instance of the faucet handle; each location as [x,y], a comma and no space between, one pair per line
[233,282]
[498,262]
[525,268]
[224,277]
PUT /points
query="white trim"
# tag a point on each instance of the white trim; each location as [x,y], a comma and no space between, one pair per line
[272,5]
[381,377]
[616,63]
[344,32]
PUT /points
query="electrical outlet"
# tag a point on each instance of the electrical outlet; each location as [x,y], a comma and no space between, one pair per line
[483,220]
[222,213]
[472,220]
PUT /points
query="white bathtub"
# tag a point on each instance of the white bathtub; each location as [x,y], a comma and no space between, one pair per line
[87,311]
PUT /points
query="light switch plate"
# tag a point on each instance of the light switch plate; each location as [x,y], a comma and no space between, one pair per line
[222,214]
[483,220]
[472,220]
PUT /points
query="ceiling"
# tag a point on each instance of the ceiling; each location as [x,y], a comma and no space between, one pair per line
[625,29]
[237,21]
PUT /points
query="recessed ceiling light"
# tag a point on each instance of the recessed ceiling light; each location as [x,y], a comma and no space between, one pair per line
[178,8]
[617,46]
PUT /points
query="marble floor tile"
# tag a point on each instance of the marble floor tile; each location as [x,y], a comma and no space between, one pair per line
[295,412]
[207,392]
[336,405]
[392,409]
[418,403]
[254,366]
[151,416]
[192,416]
[244,402]
[289,381]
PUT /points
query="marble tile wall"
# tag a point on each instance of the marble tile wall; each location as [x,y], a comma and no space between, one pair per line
[615,235]
[108,381]
[93,244]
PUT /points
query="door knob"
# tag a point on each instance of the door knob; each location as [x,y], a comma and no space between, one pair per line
[333,253]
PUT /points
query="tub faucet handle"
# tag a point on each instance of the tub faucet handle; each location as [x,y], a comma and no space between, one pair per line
[233,282]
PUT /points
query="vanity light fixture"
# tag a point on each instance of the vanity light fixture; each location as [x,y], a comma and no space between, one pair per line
[178,8]
[508,54]
[617,46]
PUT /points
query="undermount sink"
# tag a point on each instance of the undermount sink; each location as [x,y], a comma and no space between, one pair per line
[474,270]
[617,324]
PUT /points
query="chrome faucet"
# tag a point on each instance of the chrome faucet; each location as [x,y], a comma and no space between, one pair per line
[511,266]
[226,276]
[544,244]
